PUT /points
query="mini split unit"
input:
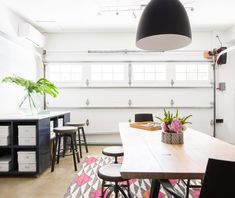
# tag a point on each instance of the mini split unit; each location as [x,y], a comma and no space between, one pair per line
[31,34]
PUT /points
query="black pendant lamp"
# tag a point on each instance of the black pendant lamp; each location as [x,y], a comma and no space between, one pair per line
[164,25]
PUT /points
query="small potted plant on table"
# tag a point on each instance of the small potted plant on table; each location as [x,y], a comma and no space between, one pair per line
[173,127]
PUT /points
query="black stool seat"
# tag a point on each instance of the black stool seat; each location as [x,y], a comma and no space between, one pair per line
[75,124]
[111,173]
[81,132]
[113,151]
[65,129]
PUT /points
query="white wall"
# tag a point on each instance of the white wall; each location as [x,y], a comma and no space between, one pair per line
[63,47]
[16,58]
[226,100]
[112,41]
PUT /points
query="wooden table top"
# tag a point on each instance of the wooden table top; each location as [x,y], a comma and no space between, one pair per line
[145,156]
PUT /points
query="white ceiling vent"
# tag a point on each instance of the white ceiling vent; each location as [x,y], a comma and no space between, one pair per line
[31,34]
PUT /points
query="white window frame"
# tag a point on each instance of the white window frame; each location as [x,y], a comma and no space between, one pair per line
[150,83]
[108,83]
[70,83]
[193,83]
[128,76]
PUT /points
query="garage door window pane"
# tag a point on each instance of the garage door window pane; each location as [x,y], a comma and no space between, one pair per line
[180,76]
[192,72]
[150,76]
[148,72]
[107,72]
[65,72]
[202,76]
[161,76]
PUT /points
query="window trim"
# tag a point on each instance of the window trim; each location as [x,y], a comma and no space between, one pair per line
[149,83]
[128,76]
[70,73]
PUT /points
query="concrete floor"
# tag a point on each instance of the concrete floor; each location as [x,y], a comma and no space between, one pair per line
[47,184]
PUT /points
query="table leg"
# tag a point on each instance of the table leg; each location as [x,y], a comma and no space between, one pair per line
[155,188]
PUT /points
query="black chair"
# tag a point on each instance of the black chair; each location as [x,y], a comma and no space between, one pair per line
[218,182]
[146,117]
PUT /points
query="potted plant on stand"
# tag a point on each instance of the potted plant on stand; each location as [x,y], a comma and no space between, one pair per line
[173,127]
[30,105]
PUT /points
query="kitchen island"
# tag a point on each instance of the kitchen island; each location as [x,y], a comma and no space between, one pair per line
[25,142]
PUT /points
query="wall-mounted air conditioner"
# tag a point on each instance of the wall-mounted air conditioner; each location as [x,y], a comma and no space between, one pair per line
[31,34]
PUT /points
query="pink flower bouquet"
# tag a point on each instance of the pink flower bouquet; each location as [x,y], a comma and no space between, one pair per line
[173,123]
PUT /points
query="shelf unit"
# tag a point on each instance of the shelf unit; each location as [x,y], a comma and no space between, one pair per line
[42,147]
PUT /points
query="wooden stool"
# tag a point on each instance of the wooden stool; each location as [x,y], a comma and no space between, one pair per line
[80,132]
[113,151]
[111,173]
[64,132]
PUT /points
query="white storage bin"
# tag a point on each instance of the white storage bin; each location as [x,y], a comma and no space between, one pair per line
[27,141]
[4,131]
[60,122]
[26,157]
[52,135]
[26,131]
[51,125]
[27,167]
[5,163]
[4,141]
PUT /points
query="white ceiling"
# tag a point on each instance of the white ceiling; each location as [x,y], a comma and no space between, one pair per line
[95,15]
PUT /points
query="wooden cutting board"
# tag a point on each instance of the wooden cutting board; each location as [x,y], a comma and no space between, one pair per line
[150,126]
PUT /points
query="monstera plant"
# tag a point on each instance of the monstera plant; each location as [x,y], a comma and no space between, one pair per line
[29,104]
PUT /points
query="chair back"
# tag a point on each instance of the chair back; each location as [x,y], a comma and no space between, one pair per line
[219,181]
[146,117]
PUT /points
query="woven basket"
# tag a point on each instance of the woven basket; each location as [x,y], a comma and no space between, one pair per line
[172,138]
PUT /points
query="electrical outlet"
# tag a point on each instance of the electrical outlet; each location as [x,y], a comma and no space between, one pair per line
[219,121]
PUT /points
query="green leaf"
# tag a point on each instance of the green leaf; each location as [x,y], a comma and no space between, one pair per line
[169,117]
[177,113]
[162,120]
[41,86]
[165,113]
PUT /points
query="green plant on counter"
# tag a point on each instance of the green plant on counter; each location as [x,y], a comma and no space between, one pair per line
[42,86]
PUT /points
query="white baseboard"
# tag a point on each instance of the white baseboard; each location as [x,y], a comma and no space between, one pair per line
[103,139]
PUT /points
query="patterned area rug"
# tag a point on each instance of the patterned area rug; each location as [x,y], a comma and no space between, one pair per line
[86,183]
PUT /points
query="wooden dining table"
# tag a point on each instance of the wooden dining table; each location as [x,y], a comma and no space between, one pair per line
[146,157]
